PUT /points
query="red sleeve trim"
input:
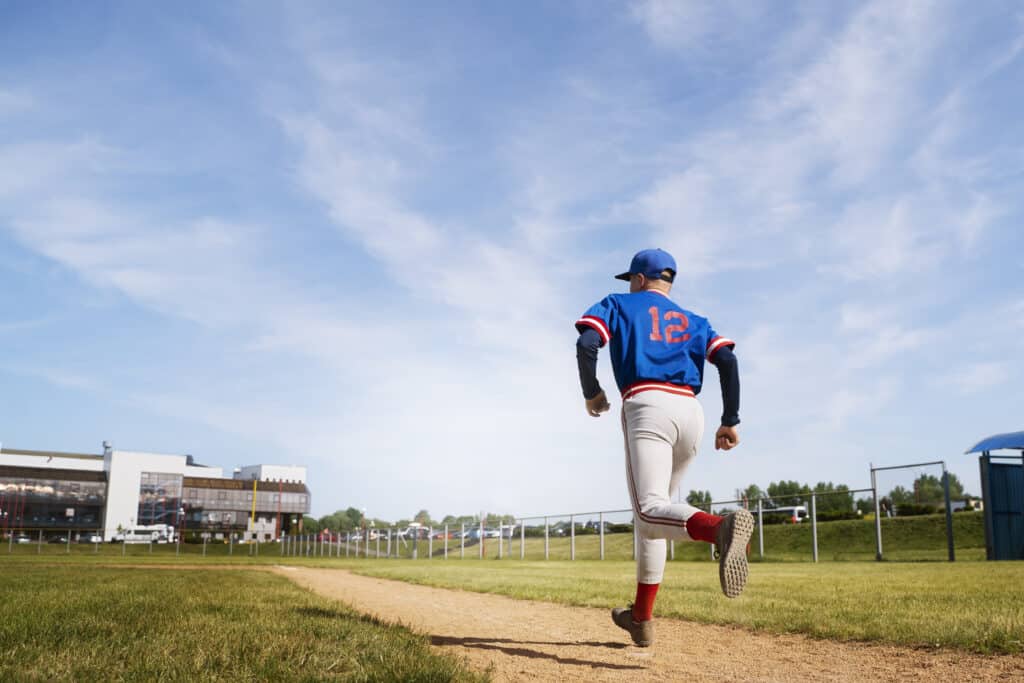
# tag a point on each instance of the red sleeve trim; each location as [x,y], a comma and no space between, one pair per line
[717,343]
[596,324]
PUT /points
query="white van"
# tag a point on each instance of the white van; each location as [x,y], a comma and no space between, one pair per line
[796,513]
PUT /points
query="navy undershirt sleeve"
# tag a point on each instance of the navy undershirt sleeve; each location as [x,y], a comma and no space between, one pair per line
[586,357]
[729,376]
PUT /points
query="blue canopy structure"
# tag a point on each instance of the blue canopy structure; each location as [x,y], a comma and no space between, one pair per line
[1002,493]
[1013,440]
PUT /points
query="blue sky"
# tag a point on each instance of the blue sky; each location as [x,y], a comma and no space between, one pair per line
[356,236]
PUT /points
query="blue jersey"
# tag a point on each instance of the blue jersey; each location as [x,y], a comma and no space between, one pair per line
[654,342]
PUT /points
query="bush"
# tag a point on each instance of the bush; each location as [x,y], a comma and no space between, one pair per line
[836,515]
[915,509]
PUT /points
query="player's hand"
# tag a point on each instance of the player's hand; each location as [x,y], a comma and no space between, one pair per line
[726,438]
[597,405]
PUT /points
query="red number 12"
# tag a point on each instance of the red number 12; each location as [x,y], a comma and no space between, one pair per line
[669,329]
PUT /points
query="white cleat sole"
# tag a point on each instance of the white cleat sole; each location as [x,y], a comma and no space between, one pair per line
[733,538]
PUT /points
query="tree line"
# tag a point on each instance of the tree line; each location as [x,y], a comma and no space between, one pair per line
[352,519]
[925,490]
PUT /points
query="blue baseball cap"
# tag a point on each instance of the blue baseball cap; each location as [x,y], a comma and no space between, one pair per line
[650,263]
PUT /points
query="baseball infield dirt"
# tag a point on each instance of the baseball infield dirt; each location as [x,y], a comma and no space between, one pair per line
[535,641]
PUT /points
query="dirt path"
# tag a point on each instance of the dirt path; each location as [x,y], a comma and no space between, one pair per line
[538,641]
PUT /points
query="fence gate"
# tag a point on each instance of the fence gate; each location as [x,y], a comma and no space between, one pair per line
[1002,489]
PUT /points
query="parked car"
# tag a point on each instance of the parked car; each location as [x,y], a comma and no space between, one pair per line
[90,538]
[22,538]
[58,539]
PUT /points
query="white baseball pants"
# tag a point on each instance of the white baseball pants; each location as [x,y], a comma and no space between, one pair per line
[662,433]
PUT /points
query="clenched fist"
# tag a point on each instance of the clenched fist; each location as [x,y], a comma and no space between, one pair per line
[597,405]
[726,438]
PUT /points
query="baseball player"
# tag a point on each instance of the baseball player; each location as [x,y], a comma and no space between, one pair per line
[658,350]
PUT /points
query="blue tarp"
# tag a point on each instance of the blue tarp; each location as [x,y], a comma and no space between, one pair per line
[1014,440]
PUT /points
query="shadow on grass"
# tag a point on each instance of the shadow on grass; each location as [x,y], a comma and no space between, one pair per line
[321,613]
[505,645]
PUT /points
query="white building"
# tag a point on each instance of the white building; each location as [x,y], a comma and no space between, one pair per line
[272,473]
[118,490]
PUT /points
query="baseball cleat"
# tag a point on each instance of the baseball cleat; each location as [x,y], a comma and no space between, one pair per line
[731,544]
[642,632]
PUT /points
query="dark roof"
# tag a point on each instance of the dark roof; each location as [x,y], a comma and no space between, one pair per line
[50,454]
[45,473]
[243,485]
[1014,440]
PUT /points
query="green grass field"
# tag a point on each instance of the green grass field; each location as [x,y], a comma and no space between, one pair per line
[969,605]
[974,606]
[83,623]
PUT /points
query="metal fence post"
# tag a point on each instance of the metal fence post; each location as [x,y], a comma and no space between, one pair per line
[600,523]
[572,538]
[672,549]
[814,526]
[878,516]
[481,538]
[39,546]
[501,540]
[68,549]
[949,514]
[430,542]
[204,546]
[462,541]
[760,529]
[522,539]
[547,545]
[377,550]
[446,541]
[348,542]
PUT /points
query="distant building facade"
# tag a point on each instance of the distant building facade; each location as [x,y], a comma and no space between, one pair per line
[50,492]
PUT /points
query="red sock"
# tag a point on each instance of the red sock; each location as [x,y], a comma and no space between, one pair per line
[643,606]
[703,527]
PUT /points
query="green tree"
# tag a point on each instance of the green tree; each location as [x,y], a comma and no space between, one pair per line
[900,496]
[310,525]
[334,521]
[355,518]
[699,499]
[787,493]
[840,500]
[750,495]
[423,517]
[928,489]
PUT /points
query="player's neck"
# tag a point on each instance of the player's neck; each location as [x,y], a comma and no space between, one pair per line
[655,290]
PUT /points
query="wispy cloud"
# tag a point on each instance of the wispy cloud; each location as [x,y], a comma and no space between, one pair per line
[979,376]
